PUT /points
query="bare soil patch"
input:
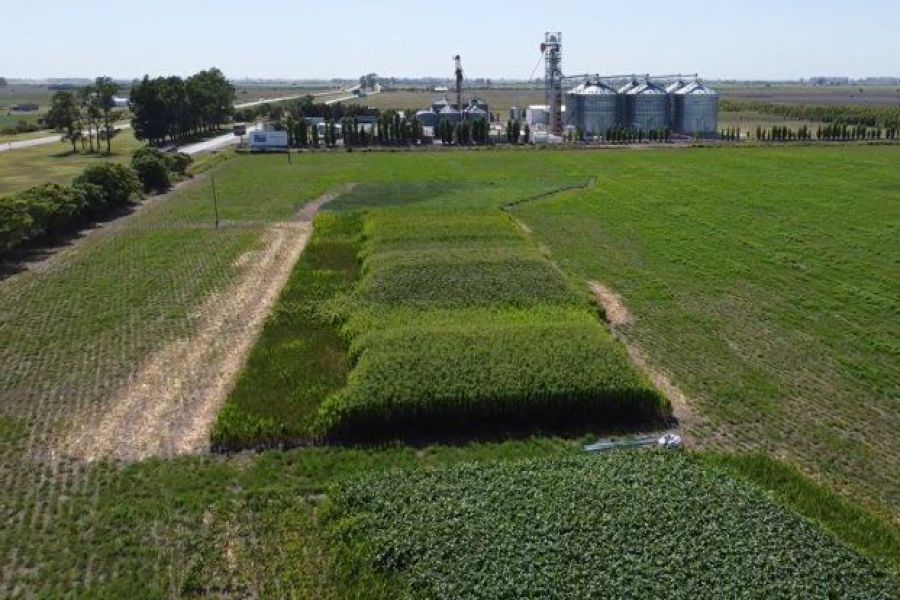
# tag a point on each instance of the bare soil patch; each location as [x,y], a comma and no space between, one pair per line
[617,315]
[168,406]
[616,312]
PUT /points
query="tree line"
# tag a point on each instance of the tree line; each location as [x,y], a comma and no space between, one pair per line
[169,109]
[828,132]
[515,132]
[303,107]
[86,114]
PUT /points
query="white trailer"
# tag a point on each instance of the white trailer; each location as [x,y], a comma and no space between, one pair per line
[268,141]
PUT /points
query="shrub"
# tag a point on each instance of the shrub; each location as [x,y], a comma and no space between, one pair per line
[179,162]
[53,207]
[117,182]
[16,223]
[153,173]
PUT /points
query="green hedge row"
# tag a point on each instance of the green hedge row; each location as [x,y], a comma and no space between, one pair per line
[50,208]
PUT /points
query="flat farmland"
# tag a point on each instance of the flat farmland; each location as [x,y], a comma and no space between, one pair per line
[760,280]
[500,100]
[865,95]
[770,300]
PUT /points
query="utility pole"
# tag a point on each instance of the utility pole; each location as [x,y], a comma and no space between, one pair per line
[215,199]
[459,82]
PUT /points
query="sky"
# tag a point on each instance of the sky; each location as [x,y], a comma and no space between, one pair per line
[299,39]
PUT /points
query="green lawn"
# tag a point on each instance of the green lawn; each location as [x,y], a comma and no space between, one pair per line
[55,163]
[764,280]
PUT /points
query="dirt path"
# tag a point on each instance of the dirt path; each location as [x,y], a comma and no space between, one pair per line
[168,407]
[618,316]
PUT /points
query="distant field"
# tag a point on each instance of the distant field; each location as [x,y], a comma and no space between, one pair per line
[826,95]
[55,163]
[499,100]
[748,121]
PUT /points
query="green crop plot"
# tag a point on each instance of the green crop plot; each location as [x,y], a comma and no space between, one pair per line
[766,283]
[423,365]
[648,525]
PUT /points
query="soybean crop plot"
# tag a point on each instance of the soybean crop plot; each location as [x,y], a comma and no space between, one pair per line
[622,525]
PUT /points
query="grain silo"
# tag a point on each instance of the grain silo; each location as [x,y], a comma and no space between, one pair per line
[448,113]
[598,109]
[476,113]
[648,107]
[428,118]
[573,105]
[696,109]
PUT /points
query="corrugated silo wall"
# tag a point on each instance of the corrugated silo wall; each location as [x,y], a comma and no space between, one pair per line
[699,114]
[600,113]
[649,111]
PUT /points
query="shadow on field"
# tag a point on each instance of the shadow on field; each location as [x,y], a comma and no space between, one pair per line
[473,433]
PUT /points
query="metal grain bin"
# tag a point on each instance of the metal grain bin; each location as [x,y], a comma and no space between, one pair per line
[697,109]
[599,109]
[573,105]
[449,114]
[439,105]
[428,118]
[476,113]
[648,107]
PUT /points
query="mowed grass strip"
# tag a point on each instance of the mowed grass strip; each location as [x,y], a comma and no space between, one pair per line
[300,357]
[626,525]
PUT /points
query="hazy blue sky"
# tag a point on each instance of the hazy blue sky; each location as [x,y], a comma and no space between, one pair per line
[299,39]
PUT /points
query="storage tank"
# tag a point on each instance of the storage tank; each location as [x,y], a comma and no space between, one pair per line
[439,105]
[428,118]
[573,105]
[476,113]
[697,109]
[648,107]
[538,114]
[674,87]
[450,114]
[670,90]
[598,106]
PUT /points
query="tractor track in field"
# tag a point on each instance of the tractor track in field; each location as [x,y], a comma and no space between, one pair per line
[618,316]
[168,406]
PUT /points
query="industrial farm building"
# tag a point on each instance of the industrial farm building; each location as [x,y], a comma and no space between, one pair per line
[596,104]
[444,110]
[645,103]
[594,107]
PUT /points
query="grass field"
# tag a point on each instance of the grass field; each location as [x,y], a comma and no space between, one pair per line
[764,281]
[55,163]
[761,279]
